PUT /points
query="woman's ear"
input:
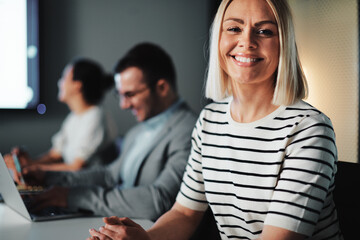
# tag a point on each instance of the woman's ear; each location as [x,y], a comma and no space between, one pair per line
[77,85]
[162,87]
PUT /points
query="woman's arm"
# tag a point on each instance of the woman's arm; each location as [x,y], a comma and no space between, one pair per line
[52,156]
[276,233]
[178,223]
[75,166]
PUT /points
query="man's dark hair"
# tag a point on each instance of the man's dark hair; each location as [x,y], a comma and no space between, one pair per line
[152,60]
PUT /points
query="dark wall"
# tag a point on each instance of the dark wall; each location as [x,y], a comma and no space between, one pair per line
[104,30]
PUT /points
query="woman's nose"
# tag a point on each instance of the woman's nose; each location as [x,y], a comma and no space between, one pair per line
[247,40]
[60,82]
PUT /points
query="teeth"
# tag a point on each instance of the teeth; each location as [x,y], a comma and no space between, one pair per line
[245,60]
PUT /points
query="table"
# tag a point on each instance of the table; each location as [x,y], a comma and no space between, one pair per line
[15,227]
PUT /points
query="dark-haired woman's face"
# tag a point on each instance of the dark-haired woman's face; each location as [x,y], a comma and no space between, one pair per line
[67,86]
[249,42]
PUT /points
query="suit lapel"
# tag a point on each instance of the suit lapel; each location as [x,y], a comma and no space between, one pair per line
[174,118]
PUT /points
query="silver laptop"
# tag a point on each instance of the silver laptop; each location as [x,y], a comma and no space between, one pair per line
[14,200]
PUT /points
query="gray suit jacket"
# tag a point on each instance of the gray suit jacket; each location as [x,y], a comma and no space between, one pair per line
[157,181]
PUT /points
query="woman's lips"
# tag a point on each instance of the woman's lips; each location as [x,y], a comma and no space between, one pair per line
[246,60]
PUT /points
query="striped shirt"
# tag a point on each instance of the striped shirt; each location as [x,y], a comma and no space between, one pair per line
[276,171]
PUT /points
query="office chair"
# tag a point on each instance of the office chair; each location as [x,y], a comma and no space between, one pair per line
[347,198]
[207,230]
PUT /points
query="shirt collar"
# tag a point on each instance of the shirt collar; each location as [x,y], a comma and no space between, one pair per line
[163,116]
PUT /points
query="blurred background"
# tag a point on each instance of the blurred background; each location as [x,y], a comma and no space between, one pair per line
[104,30]
[327,34]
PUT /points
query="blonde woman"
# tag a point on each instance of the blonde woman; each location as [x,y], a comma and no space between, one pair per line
[262,159]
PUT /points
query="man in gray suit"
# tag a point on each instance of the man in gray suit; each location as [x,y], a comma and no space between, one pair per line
[144,180]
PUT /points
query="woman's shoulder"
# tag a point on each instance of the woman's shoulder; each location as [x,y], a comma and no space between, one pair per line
[309,112]
[216,106]
[95,115]
[95,111]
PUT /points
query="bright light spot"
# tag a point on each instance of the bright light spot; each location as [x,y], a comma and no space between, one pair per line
[32,51]
[41,108]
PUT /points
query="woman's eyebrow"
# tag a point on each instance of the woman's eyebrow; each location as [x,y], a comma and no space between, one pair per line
[265,22]
[235,19]
[241,21]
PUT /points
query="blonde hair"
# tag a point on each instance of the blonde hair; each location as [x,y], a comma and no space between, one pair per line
[290,84]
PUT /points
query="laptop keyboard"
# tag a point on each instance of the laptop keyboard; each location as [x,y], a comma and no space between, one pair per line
[51,211]
[48,211]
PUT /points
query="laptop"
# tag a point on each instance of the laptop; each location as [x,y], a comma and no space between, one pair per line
[17,201]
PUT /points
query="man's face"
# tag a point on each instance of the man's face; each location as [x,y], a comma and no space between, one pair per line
[135,94]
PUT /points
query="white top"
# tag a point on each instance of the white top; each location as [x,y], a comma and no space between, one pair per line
[276,171]
[83,135]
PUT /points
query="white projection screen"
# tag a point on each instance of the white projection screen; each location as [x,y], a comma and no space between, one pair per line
[19,54]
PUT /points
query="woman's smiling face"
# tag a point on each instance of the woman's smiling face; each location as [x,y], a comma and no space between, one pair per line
[249,42]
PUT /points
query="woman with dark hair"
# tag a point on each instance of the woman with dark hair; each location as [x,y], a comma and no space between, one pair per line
[87,130]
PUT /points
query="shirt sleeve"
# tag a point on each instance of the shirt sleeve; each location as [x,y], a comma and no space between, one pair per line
[148,199]
[192,190]
[93,136]
[306,179]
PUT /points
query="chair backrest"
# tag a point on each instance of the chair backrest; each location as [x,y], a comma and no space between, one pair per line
[207,230]
[347,198]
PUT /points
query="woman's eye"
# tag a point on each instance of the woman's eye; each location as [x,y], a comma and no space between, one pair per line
[234,29]
[265,32]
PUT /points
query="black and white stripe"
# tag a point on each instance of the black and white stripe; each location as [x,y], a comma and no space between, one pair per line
[278,170]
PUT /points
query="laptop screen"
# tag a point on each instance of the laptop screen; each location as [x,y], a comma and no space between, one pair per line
[9,192]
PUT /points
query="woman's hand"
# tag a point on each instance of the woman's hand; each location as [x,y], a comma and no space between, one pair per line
[34,176]
[9,161]
[119,229]
[32,168]
[22,155]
